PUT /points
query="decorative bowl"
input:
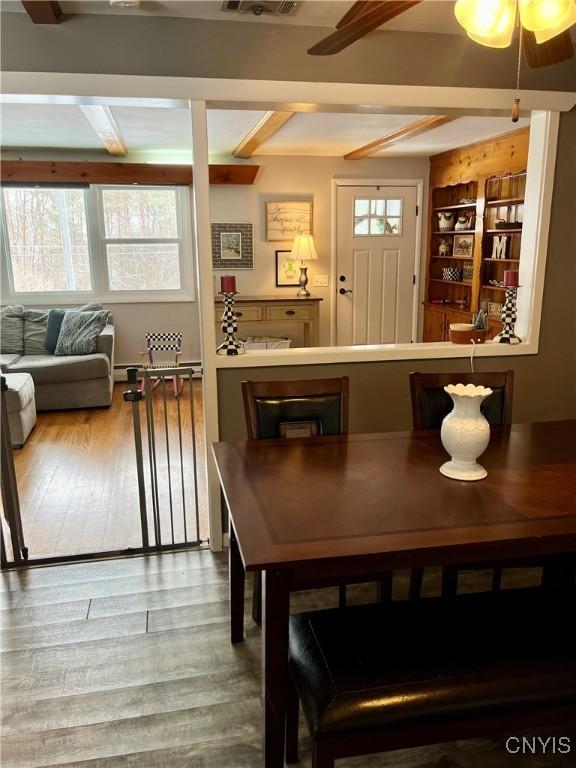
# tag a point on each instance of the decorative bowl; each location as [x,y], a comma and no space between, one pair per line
[464,333]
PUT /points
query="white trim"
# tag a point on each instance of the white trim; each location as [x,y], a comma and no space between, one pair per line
[537,212]
[205,287]
[295,95]
[339,181]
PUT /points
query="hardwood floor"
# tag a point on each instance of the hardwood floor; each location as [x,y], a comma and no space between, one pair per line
[127,664]
[77,477]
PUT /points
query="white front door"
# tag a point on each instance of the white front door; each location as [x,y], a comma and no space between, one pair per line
[375,257]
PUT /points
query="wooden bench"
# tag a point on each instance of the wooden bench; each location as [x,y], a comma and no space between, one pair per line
[375,678]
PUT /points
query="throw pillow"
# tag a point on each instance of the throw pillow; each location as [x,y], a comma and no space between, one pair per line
[79,332]
[35,323]
[12,330]
[55,317]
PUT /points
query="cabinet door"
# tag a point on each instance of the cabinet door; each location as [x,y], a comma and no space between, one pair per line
[494,328]
[433,326]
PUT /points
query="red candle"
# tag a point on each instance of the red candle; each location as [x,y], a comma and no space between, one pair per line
[228,284]
[511,278]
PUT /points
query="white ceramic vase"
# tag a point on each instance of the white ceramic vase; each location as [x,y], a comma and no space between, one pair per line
[465,432]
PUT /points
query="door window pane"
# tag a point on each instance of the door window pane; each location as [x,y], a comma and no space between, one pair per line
[378,216]
[47,239]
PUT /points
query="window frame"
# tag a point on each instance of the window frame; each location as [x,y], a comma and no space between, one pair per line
[101,291]
[371,216]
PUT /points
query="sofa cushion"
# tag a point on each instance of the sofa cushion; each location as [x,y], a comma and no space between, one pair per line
[55,318]
[35,323]
[6,361]
[20,391]
[12,330]
[51,369]
[79,332]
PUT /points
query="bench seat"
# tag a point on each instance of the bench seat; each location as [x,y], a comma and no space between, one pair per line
[377,677]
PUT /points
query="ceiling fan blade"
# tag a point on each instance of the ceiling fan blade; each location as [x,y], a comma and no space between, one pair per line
[368,20]
[553,51]
[356,10]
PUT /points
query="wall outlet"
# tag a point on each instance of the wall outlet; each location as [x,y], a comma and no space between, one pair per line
[320,281]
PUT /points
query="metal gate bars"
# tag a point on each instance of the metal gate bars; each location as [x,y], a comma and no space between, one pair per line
[168,479]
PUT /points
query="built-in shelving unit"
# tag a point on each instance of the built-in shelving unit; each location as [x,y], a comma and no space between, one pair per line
[477,193]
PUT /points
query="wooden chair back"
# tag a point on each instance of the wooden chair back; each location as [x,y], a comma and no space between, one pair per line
[302,408]
[430,404]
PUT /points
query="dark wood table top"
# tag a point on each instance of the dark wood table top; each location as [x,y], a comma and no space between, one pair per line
[381,498]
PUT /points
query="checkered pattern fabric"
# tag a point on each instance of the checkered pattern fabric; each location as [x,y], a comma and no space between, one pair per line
[164,342]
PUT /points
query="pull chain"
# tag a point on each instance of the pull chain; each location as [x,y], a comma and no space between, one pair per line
[516,105]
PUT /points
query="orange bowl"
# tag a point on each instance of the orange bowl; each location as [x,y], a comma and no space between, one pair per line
[464,333]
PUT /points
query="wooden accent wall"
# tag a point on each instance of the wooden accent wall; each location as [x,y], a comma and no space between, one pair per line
[66,172]
[507,153]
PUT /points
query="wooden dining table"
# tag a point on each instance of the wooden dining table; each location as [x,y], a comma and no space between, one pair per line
[331,510]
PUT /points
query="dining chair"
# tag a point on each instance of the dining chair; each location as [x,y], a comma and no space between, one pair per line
[302,408]
[430,404]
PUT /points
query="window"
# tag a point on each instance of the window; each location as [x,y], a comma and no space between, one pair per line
[47,239]
[141,239]
[377,217]
[111,242]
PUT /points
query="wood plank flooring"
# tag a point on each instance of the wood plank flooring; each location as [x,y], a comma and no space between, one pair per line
[77,477]
[127,664]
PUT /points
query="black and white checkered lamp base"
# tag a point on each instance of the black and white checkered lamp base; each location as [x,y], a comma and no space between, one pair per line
[509,316]
[230,346]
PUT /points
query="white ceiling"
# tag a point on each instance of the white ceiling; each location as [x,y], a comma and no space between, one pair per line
[428,16]
[164,134]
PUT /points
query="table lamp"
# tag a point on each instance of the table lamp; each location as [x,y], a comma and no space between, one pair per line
[303,250]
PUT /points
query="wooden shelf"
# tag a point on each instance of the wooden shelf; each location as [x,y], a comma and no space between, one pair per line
[502,261]
[506,201]
[502,231]
[457,232]
[461,258]
[455,207]
[449,282]
[493,287]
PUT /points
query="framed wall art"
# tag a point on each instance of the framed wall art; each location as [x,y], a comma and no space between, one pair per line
[286,219]
[287,270]
[232,246]
[463,245]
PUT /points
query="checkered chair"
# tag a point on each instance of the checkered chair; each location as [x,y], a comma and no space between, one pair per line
[164,341]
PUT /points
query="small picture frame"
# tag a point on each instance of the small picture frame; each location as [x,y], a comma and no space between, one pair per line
[463,245]
[287,218]
[494,309]
[232,246]
[287,270]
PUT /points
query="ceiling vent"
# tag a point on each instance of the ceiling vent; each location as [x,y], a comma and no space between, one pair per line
[268,7]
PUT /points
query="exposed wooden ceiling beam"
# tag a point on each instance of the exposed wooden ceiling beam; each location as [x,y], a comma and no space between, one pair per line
[43,11]
[103,123]
[413,129]
[66,172]
[261,132]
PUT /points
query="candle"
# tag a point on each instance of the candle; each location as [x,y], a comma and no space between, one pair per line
[511,278]
[228,284]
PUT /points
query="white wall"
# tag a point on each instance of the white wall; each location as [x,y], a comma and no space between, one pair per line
[299,178]
[131,321]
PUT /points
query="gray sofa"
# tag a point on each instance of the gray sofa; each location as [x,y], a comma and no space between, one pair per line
[60,382]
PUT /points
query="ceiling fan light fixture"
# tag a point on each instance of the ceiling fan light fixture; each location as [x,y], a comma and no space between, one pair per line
[481,18]
[543,35]
[540,15]
[501,37]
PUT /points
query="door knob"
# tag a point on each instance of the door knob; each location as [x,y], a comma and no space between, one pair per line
[344,291]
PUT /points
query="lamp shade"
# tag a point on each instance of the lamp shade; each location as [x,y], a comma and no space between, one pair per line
[543,35]
[481,18]
[501,35]
[540,15]
[303,248]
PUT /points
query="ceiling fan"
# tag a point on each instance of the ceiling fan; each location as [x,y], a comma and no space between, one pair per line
[544,25]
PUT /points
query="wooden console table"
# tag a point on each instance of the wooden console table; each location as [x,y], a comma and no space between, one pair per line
[261,311]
